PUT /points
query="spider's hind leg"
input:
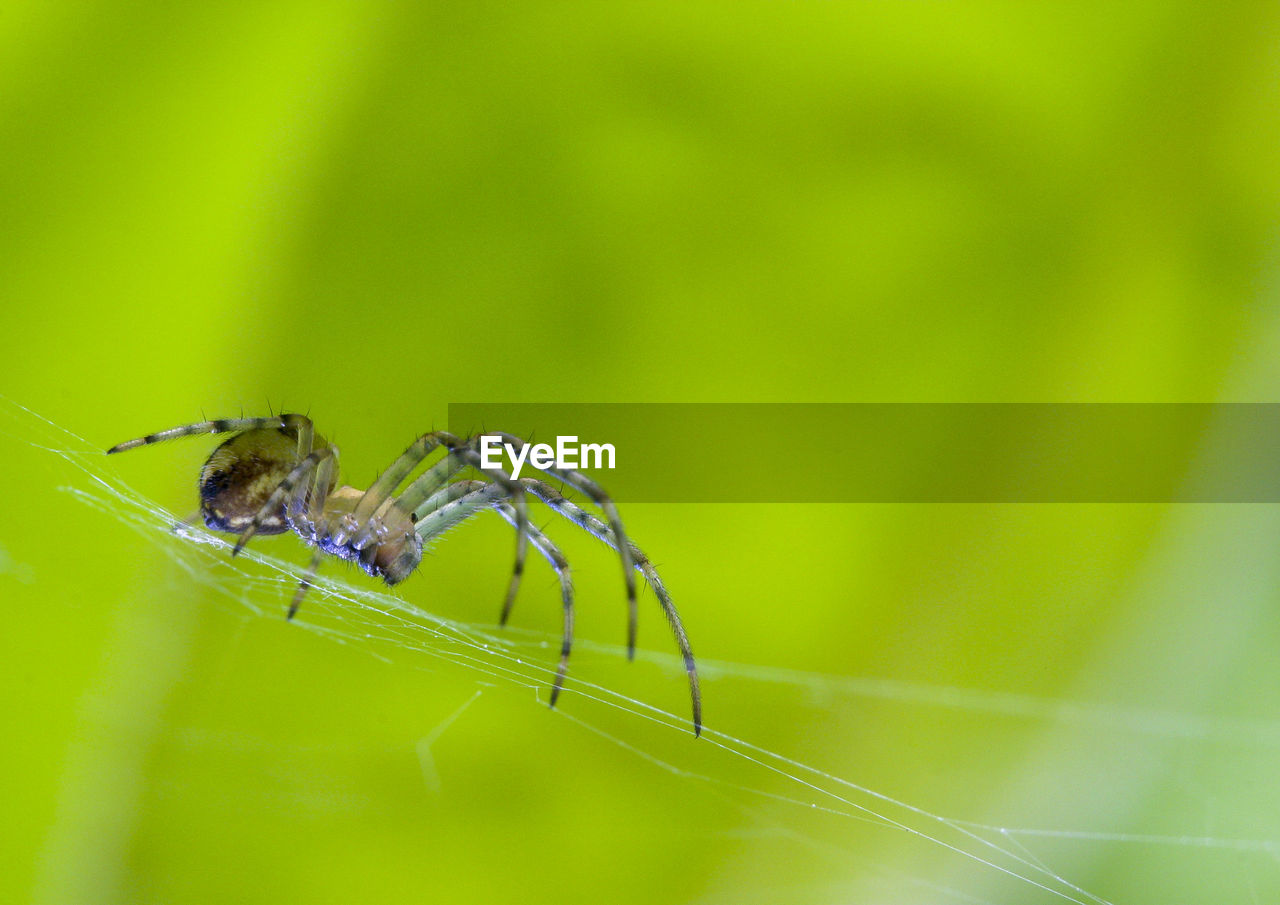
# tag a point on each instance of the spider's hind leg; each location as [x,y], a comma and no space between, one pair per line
[552,553]
[583,484]
[565,507]
[430,490]
[454,503]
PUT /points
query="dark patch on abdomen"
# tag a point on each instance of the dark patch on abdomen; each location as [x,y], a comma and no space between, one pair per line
[214,485]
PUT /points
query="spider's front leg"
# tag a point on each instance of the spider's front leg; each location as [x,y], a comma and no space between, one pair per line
[298,423]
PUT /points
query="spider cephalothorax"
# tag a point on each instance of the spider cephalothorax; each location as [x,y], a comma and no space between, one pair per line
[396,549]
[277,474]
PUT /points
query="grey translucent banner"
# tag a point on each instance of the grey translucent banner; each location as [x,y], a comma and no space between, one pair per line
[912,452]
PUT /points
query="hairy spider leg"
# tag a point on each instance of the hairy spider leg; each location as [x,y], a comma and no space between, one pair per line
[583,484]
[514,492]
[305,584]
[552,553]
[362,524]
[305,504]
[455,503]
[429,481]
[301,423]
[306,434]
[593,525]
[448,494]
[313,512]
[432,479]
[419,494]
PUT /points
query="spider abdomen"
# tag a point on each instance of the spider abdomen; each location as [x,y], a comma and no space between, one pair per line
[240,477]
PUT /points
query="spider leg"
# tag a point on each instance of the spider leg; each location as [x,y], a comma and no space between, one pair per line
[358,526]
[362,524]
[424,487]
[305,584]
[593,525]
[427,483]
[419,496]
[552,553]
[305,505]
[313,514]
[301,423]
[291,480]
[469,454]
[580,482]
[306,433]
[455,503]
[448,494]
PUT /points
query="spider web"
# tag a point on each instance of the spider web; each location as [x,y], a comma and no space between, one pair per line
[782,791]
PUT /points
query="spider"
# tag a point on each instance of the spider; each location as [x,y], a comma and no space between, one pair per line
[276,474]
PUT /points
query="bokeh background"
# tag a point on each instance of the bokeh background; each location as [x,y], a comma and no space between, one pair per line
[368,211]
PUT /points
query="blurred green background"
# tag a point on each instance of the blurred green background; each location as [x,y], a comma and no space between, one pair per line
[370,210]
